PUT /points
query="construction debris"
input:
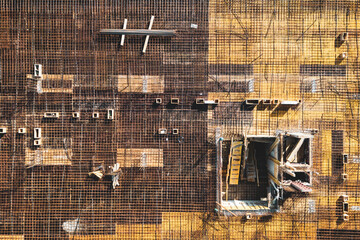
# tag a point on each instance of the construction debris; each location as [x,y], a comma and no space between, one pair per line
[98,172]
[73,226]
[115,174]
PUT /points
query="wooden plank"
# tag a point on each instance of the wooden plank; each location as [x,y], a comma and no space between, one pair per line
[272,147]
[228,172]
[293,154]
[274,160]
[225,208]
[275,180]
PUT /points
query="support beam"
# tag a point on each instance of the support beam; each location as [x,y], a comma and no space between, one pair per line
[139,32]
[228,172]
[275,180]
[219,140]
[243,162]
[273,146]
[291,173]
[293,154]
[289,166]
[274,160]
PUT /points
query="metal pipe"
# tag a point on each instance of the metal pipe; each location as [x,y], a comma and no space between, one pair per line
[138,32]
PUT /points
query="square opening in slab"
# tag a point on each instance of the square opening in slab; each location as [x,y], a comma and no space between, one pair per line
[37,70]
[245,175]
[37,142]
[344,177]
[252,101]
[344,36]
[110,114]
[200,101]
[37,132]
[345,207]
[343,56]
[266,101]
[51,115]
[174,101]
[22,130]
[275,101]
[296,152]
[76,115]
[257,169]
[95,115]
[175,131]
[193,26]
[158,101]
[3,130]
[248,168]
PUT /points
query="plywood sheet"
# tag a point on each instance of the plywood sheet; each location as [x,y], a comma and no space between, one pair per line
[181,225]
[55,83]
[140,83]
[326,153]
[93,237]
[12,237]
[140,157]
[47,157]
[138,231]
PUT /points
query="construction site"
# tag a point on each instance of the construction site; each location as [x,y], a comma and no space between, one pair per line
[179,119]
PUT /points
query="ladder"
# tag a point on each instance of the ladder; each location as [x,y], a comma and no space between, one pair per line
[235,161]
[251,167]
[251,173]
